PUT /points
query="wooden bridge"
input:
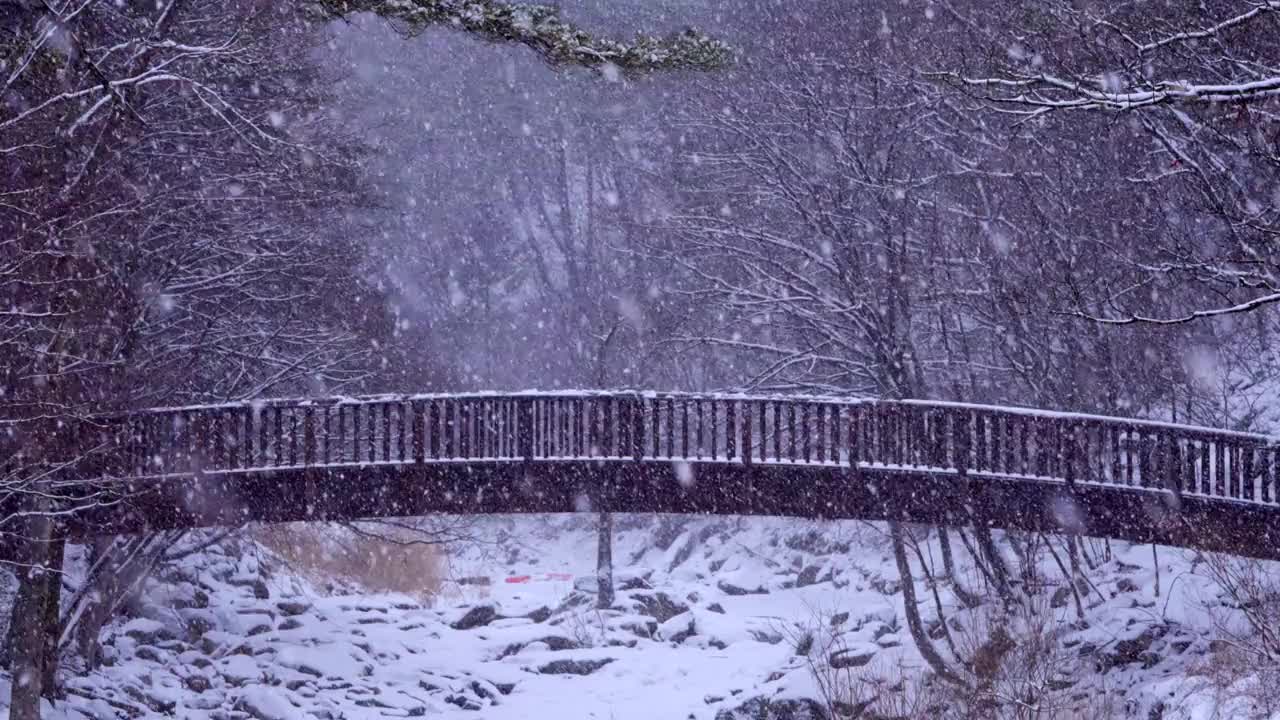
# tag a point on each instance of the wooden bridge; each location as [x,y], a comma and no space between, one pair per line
[815,457]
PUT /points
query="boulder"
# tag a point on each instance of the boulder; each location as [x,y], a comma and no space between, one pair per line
[679,628]
[289,609]
[573,667]
[260,590]
[730,589]
[850,657]
[659,606]
[196,683]
[478,616]
[807,576]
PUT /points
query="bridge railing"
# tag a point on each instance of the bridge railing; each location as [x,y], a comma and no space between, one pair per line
[908,435]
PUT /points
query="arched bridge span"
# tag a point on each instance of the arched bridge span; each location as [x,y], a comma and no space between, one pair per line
[816,457]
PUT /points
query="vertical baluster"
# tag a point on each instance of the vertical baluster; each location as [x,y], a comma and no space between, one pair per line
[1070,442]
[654,416]
[1240,467]
[309,437]
[638,443]
[836,437]
[553,423]
[961,443]
[1274,474]
[371,427]
[626,407]
[855,453]
[996,423]
[1022,453]
[340,420]
[730,429]
[1092,462]
[777,431]
[566,425]
[1113,444]
[399,431]
[701,424]
[1189,455]
[447,445]
[791,431]
[419,447]
[1186,459]
[671,427]
[572,423]
[901,421]
[592,410]
[1143,444]
[293,437]
[467,427]
[502,428]
[942,437]
[806,434]
[980,440]
[489,429]
[622,426]
[746,433]
[684,427]
[1220,467]
[714,406]
[1268,473]
[524,428]
[278,412]
[606,426]
[820,446]
[1010,445]
[220,449]
[326,428]
[1125,434]
[435,435]
[581,427]
[1203,470]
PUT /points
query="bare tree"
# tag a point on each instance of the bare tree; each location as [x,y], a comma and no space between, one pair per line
[1198,86]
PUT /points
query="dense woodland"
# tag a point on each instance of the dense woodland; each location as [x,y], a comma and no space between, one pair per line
[1061,205]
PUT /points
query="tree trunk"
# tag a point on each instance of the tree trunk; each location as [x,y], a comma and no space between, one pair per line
[52,627]
[912,610]
[604,561]
[27,637]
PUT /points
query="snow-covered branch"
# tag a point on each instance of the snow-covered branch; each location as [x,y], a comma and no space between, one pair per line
[541,28]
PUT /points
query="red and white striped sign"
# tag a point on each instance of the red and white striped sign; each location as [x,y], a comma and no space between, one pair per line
[544,577]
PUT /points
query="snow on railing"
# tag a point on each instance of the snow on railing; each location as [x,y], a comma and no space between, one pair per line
[770,430]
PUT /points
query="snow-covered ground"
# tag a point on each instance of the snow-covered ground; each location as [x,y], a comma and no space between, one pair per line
[710,616]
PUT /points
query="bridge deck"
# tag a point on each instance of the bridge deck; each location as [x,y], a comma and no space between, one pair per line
[822,457]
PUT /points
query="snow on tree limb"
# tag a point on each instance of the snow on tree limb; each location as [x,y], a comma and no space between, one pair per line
[541,28]
[1044,92]
[1136,82]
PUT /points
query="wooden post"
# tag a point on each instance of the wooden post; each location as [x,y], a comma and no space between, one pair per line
[960,430]
[730,430]
[308,436]
[525,428]
[419,447]
[855,430]
[637,428]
